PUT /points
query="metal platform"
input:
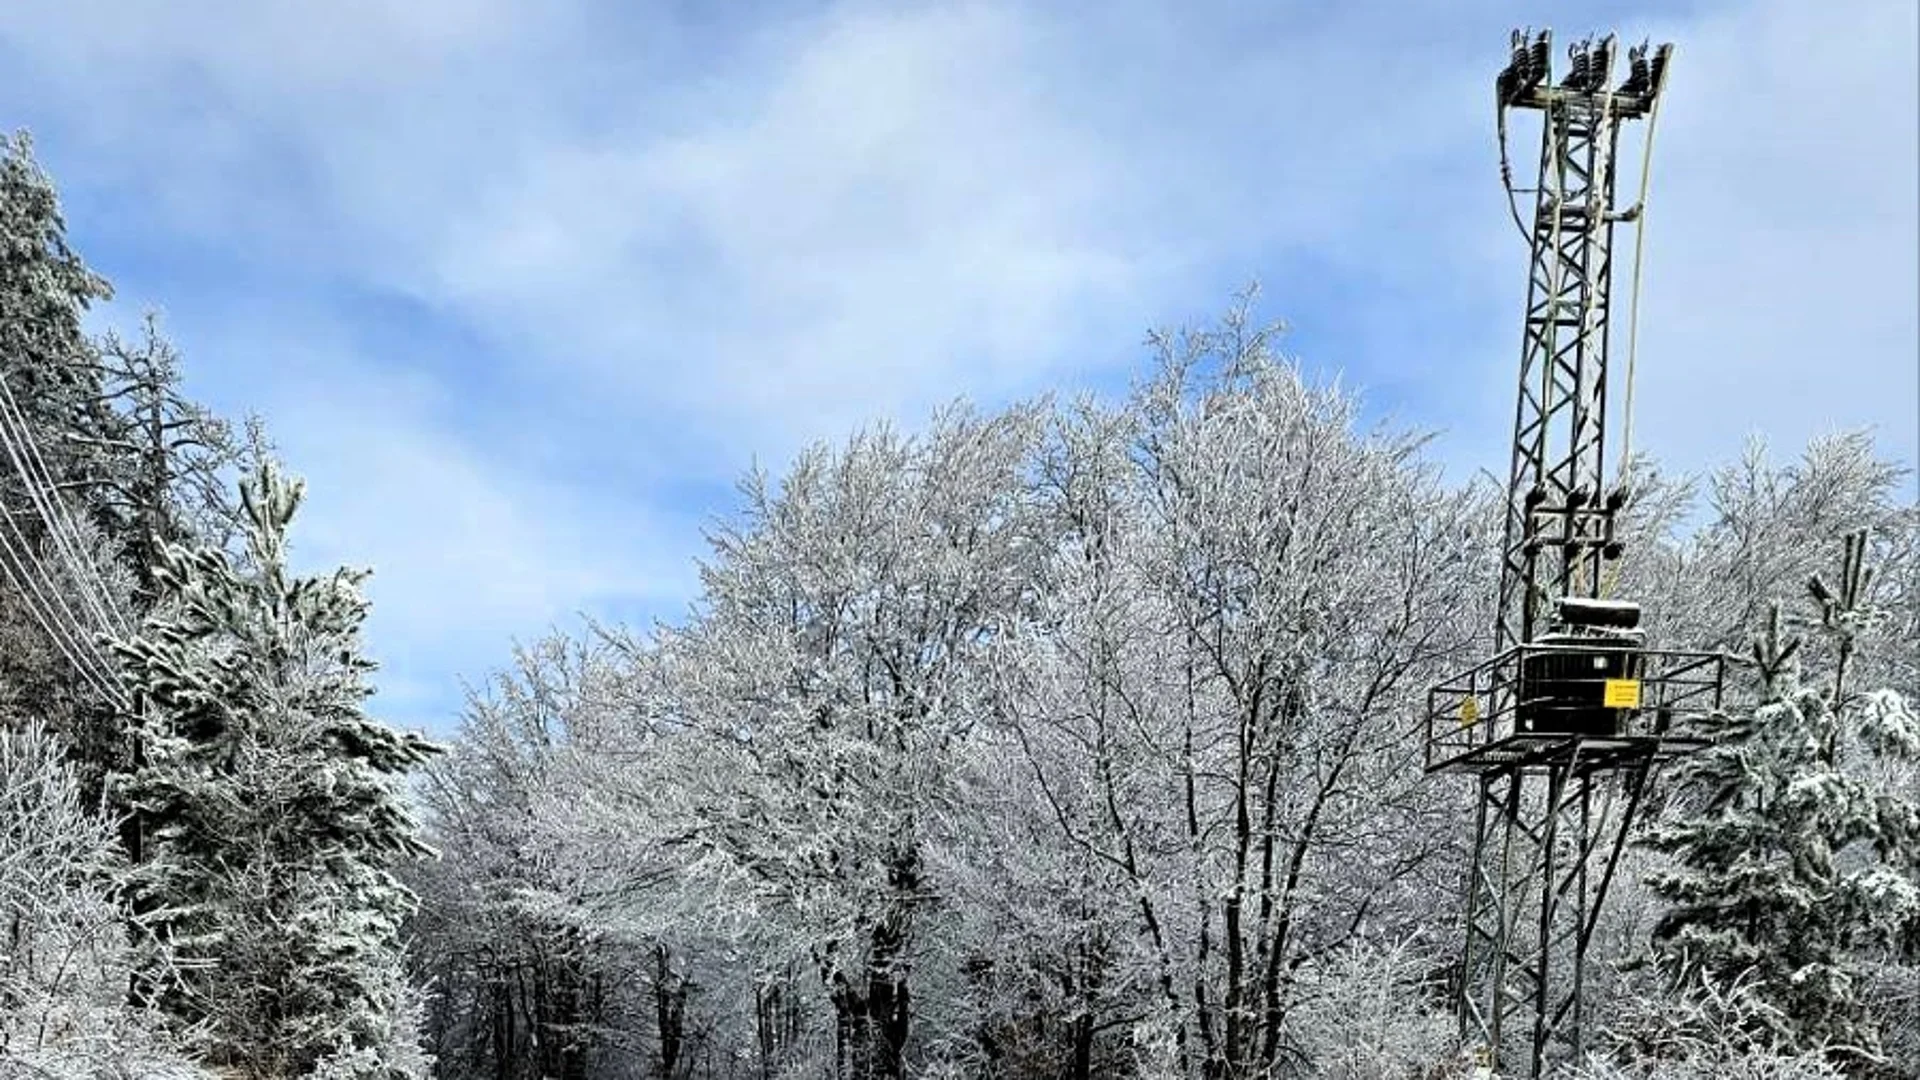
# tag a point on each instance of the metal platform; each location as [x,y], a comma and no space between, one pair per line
[1473,722]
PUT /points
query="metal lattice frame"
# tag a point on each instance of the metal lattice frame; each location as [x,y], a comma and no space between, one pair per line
[1462,738]
[1553,813]
[1547,843]
[1554,490]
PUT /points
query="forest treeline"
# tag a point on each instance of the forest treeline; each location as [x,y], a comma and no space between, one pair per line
[1078,738]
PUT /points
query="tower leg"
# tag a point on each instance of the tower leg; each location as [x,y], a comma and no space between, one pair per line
[1545,852]
[1495,881]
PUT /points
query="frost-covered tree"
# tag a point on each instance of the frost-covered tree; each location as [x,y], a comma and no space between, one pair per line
[274,808]
[129,459]
[56,392]
[1769,527]
[1215,704]
[64,945]
[1039,746]
[45,291]
[173,459]
[1791,851]
[1364,1012]
[819,696]
[535,927]
[1709,1030]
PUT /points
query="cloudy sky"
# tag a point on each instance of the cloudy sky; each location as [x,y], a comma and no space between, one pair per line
[521,288]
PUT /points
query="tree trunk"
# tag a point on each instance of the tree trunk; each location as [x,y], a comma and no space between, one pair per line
[766,1006]
[568,1018]
[888,1006]
[504,1049]
[853,1059]
[889,998]
[670,1012]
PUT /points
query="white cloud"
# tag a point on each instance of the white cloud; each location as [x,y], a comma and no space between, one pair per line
[467,554]
[470,547]
[722,239]
[888,215]
[439,519]
[1786,235]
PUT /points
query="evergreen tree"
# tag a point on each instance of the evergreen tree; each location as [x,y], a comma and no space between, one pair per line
[55,391]
[170,483]
[1791,853]
[135,463]
[45,291]
[275,810]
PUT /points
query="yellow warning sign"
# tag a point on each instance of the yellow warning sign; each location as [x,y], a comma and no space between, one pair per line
[1469,711]
[1622,694]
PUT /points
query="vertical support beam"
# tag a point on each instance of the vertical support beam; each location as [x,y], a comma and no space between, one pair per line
[1475,1029]
[1495,879]
[1550,896]
[1583,918]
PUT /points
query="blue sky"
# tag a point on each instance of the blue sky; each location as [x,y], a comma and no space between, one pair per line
[521,288]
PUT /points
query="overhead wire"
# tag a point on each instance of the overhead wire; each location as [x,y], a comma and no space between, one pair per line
[60,532]
[40,590]
[42,488]
[1506,169]
[44,602]
[105,677]
[1638,211]
[60,524]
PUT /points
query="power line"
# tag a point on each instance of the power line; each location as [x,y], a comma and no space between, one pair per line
[44,602]
[49,605]
[25,451]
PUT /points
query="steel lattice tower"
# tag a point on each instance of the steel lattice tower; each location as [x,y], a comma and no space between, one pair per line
[1563,726]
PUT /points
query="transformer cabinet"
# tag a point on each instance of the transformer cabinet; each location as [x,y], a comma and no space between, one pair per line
[1563,725]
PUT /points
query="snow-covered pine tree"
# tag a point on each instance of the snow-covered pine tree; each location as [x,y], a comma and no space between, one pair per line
[136,464]
[1789,851]
[275,809]
[53,380]
[45,293]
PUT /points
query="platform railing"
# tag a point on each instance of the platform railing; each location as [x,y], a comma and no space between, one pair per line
[1471,723]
